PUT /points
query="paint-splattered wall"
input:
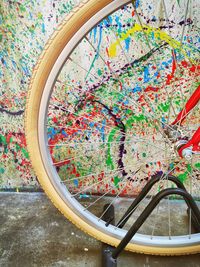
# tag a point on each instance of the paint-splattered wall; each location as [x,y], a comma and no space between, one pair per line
[173,40]
[25,26]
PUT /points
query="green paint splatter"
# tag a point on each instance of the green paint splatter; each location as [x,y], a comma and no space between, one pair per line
[197,165]
[91,66]
[116,181]
[183,177]
[178,102]
[164,107]
[109,160]
[99,72]
[22,8]
[25,153]
[17,146]
[2,170]
[31,29]
[134,119]
[3,140]
[67,7]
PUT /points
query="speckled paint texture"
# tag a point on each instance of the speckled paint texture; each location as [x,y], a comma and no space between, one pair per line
[151,57]
[25,26]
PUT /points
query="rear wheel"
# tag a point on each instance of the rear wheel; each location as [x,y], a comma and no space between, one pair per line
[110,81]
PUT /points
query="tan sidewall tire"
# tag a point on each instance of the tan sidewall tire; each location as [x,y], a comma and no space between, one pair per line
[51,52]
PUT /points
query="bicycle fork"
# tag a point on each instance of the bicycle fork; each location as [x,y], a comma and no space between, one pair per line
[185,147]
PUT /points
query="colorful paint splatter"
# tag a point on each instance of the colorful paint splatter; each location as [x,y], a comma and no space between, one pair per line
[25,26]
[122,85]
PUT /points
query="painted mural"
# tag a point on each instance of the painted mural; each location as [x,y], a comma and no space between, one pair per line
[119,91]
[127,79]
[25,26]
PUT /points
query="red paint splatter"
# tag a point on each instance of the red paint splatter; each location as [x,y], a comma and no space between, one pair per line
[54,119]
[151,88]
[107,52]
[171,76]
[195,68]
[184,63]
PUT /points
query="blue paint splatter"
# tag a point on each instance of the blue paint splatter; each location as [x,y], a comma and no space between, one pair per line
[102,130]
[43,28]
[51,133]
[137,89]
[171,166]
[14,64]
[137,3]
[64,133]
[83,196]
[76,182]
[154,18]
[100,39]
[156,74]
[100,27]
[115,109]
[91,124]
[127,43]
[146,74]
[119,24]
[109,19]
[94,33]
[25,70]
[126,102]
[163,122]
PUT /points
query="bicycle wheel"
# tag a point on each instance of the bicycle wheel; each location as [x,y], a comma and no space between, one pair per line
[110,80]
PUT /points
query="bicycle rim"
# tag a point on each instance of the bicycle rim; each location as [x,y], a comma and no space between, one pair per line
[102,132]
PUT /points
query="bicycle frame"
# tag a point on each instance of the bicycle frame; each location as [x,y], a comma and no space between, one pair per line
[192,146]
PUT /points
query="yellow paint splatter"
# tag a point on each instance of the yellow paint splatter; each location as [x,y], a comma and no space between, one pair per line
[40,16]
[112,50]
[158,34]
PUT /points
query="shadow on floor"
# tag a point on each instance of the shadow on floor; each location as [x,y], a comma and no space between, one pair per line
[34,234]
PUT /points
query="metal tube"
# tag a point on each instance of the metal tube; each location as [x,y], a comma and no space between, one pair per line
[147,211]
[156,178]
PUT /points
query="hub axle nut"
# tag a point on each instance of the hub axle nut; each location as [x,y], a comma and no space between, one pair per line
[187,153]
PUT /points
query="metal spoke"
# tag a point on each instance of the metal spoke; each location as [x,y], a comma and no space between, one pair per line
[131,100]
[94,202]
[91,174]
[111,142]
[105,143]
[87,118]
[114,199]
[94,184]
[155,61]
[161,180]
[146,97]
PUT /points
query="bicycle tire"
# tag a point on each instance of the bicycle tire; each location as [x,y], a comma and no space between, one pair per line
[71,25]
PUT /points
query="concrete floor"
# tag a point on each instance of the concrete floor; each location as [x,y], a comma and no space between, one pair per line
[34,234]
